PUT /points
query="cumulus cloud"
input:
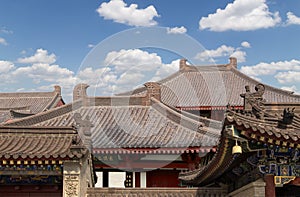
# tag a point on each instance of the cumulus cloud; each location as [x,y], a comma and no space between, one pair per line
[91,45]
[222,51]
[3,41]
[165,70]
[241,15]
[118,11]
[239,55]
[40,56]
[285,72]
[246,44]
[42,72]
[215,53]
[39,75]
[121,71]
[292,88]
[292,19]
[5,66]
[288,77]
[132,59]
[272,68]
[128,69]
[176,30]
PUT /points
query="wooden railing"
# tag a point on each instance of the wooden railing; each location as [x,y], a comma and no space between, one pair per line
[157,192]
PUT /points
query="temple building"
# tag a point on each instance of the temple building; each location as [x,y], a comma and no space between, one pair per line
[205,130]
[207,90]
[21,104]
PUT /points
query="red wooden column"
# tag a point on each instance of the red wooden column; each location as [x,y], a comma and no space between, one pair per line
[270,185]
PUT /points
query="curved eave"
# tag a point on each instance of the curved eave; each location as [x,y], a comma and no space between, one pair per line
[265,131]
[215,168]
[143,150]
[19,143]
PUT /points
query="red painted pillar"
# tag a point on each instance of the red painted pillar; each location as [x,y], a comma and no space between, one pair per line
[270,185]
[137,179]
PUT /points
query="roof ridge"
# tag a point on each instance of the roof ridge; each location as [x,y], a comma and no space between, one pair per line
[278,90]
[116,100]
[54,101]
[194,125]
[26,94]
[46,115]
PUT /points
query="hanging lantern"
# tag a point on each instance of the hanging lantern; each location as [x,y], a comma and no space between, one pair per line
[236,149]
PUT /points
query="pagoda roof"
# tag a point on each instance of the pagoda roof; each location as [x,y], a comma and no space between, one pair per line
[122,124]
[39,142]
[214,86]
[269,128]
[21,104]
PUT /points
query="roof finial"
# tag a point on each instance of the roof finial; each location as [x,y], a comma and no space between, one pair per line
[153,90]
[233,62]
[80,91]
[182,64]
[57,89]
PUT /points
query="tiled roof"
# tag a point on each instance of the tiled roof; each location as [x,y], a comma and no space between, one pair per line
[203,175]
[270,128]
[123,126]
[36,143]
[27,102]
[211,86]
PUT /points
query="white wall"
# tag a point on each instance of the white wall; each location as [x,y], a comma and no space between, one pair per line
[99,179]
[116,179]
[143,179]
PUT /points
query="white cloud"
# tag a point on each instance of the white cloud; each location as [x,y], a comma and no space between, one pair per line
[246,44]
[91,45]
[271,68]
[239,55]
[241,15]
[222,51]
[132,59]
[40,56]
[176,30]
[215,53]
[128,77]
[96,77]
[3,41]
[165,70]
[36,76]
[292,88]
[292,19]
[125,70]
[5,30]
[42,72]
[118,11]
[5,66]
[285,72]
[288,77]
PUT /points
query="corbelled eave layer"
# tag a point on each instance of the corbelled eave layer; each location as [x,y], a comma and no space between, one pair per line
[269,130]
[211,87]
[221,161]
[40,142]
[22,104]
[125,123]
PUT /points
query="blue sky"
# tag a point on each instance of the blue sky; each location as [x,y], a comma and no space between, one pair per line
[43,43]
